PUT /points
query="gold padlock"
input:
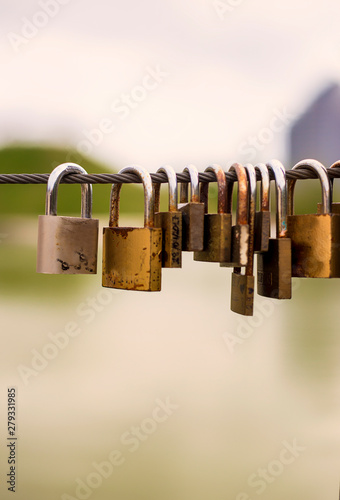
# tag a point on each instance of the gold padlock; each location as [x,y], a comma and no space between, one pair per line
[262,218]
[242,285]
[170,222]
[274,267]
[193,213]
[240,231]
[132,256]
[315,237]
[217,227]
[67,245]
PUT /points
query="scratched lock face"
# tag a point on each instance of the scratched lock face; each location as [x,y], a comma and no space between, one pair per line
[67,245]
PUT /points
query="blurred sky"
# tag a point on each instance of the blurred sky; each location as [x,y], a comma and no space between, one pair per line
[227,68]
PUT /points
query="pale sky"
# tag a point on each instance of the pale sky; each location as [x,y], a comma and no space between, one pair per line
[199,81]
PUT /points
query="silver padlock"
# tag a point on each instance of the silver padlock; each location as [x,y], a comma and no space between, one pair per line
[67,245]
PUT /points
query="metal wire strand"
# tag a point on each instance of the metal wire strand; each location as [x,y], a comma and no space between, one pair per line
[157,177]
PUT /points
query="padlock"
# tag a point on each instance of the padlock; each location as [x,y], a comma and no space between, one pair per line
[240,231]
[242,285]
[132,256]
[193,213]
[170,222]
[315,237]
[274,267]
[217,227]
[67,245]
[335,205]
[262,218]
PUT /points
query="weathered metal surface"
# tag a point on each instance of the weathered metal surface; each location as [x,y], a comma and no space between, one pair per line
[170,222]
[335,208]
[274,267]
[262,232]
[240,231]
[192,226]
[131,255]
[217,227]
[171,225]
[262,218]
[315,245]
[274,270]
[67,245]
[242,286]
[315,237]
[132,258]
[192,213]
[149,201]
[242,295]
[217,237]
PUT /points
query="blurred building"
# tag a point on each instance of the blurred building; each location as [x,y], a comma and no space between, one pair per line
[316,134]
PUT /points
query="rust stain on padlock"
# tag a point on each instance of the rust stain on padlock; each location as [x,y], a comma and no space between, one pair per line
[222,199]
[67,245]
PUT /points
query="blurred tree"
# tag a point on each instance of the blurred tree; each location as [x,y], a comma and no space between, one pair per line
[28,200]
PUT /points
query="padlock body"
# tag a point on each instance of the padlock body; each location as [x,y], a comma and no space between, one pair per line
[132,258]
[315,245]
[242,294]
[274,270]
[262,231]
[67,245]
[192,226]
[171,225]
[335,208]
[239,246]
[217,239]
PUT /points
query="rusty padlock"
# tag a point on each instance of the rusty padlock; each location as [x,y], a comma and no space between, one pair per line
[170,222]
[242,285]
[262,218]
[240,231]
[274,267]
[132,256]
[315,237]
[67,245]
[217,227]
[193,213]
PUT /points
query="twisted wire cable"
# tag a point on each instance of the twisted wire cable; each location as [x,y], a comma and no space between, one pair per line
[157,178]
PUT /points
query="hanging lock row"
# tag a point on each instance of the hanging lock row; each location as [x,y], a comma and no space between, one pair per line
[304,246]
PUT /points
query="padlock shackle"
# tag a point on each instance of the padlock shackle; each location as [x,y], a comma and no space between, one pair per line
[148,196]
[242,194]
[279,172]
[194,183]
[251,173]
[172,182]
[265,186]
[52,189]
[221,186]
[326,186]
[331,180]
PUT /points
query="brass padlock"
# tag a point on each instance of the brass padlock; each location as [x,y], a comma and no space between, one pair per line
[132,256]
[274,267]
[242,285]
[193,213]
[315,237]
[170,222]
[240,231]
[217,227]
[67,245]
[262,218]
[336,205]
